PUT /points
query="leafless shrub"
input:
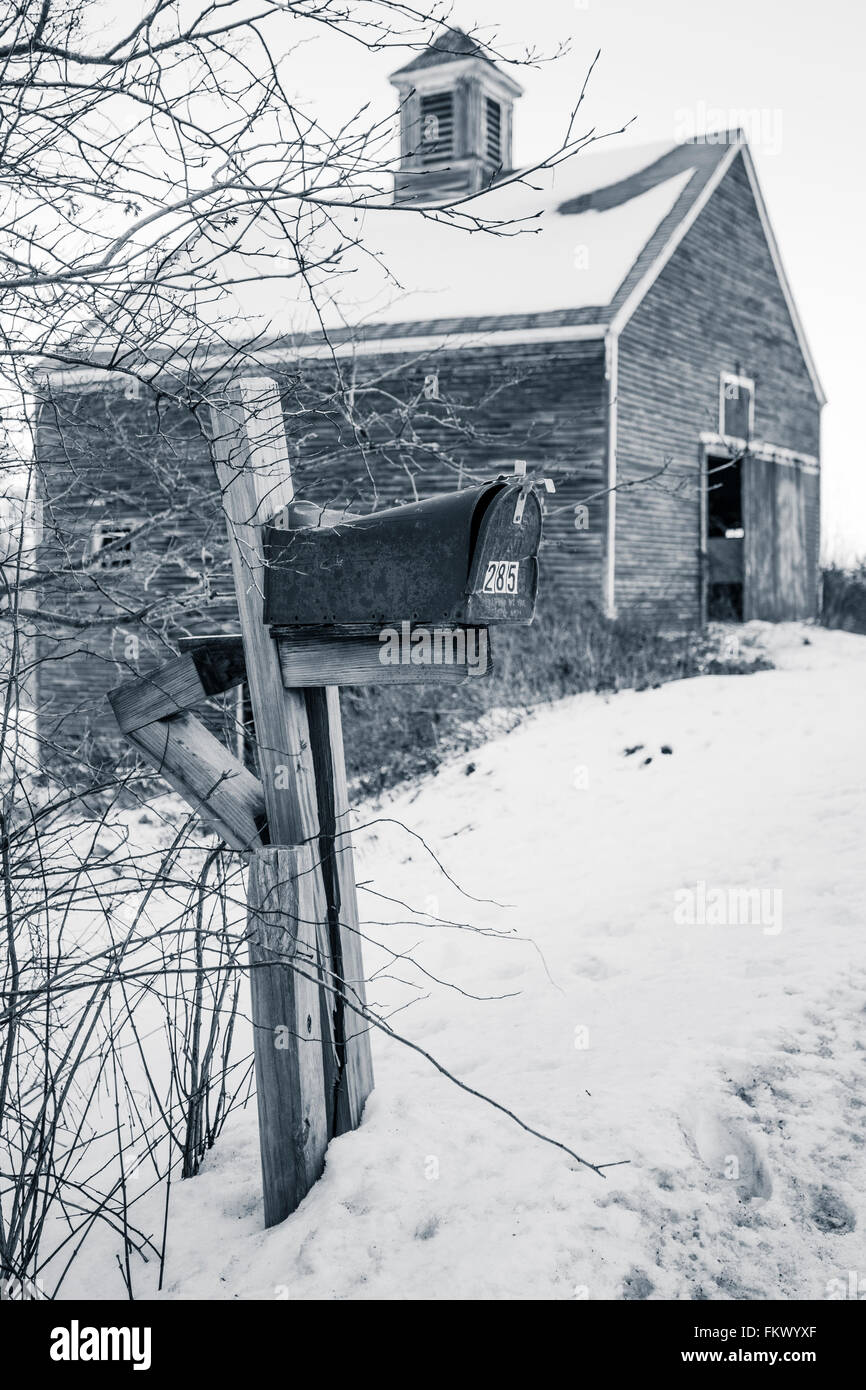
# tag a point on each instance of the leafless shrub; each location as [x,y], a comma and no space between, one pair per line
[154,168]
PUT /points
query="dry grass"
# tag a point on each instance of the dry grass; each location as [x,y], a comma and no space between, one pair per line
[844,597]
[395,733]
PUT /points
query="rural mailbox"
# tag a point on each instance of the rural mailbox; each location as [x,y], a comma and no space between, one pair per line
[468,557]
[457,564]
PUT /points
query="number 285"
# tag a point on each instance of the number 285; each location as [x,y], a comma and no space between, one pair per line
[500,577]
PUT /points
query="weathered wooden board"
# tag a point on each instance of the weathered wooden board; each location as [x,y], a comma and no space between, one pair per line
[358,660]
[203,771]
[759,505]
[776,565]
[171,689]
[252,468]
[284,904]
[178,685]
[355,1080]
[792,570]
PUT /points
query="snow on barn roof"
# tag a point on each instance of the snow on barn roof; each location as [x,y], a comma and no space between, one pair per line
[573,241]
[597,229]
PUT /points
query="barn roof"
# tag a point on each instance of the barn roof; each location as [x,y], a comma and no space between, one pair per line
[578,246]
[569,243]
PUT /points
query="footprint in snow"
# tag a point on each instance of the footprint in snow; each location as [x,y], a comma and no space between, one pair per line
[593,968]
[636,1286]
[427,1229]
[732,1155]
[830,1214]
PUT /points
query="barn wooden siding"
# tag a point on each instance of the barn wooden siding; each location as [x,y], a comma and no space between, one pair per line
[716,307]
[781,542]
[103,456]
[542,403]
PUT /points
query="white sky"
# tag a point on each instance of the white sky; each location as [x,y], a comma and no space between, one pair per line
[791,72]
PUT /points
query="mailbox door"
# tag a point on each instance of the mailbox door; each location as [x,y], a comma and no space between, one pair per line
[503,579]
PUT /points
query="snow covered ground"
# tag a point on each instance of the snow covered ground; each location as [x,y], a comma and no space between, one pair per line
[612,996]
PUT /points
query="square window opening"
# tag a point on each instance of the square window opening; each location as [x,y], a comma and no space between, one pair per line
[111,544]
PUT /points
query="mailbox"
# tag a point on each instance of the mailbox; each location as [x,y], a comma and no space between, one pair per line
[468,557]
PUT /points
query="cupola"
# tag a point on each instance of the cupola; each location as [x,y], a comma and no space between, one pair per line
[455,121]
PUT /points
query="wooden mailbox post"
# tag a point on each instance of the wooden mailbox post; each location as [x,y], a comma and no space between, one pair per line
[475,553]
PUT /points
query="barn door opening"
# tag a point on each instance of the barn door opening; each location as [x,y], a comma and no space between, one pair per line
[725,533]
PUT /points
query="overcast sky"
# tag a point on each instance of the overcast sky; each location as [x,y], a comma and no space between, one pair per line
[791,72]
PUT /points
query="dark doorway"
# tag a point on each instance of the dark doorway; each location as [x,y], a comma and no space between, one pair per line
[725,535]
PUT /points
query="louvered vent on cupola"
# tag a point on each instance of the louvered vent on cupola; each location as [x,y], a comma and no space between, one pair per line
[455,121]
[437,126]
[493,112]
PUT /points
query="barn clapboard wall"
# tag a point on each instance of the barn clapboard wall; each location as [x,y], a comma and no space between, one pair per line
[716,307]
[100,452]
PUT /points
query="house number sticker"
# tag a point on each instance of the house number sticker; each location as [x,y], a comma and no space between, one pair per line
[500,577]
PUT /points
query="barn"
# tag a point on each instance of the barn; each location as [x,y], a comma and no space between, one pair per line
[622,323]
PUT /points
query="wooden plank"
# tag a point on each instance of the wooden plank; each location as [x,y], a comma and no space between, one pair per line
[284,904]
[792,570]
[357,660]
[227,795]
[759,523]
[810,486]
[703,571]
[178,685]
[252,469]
[251,461]
[172,688]
[351,1034]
